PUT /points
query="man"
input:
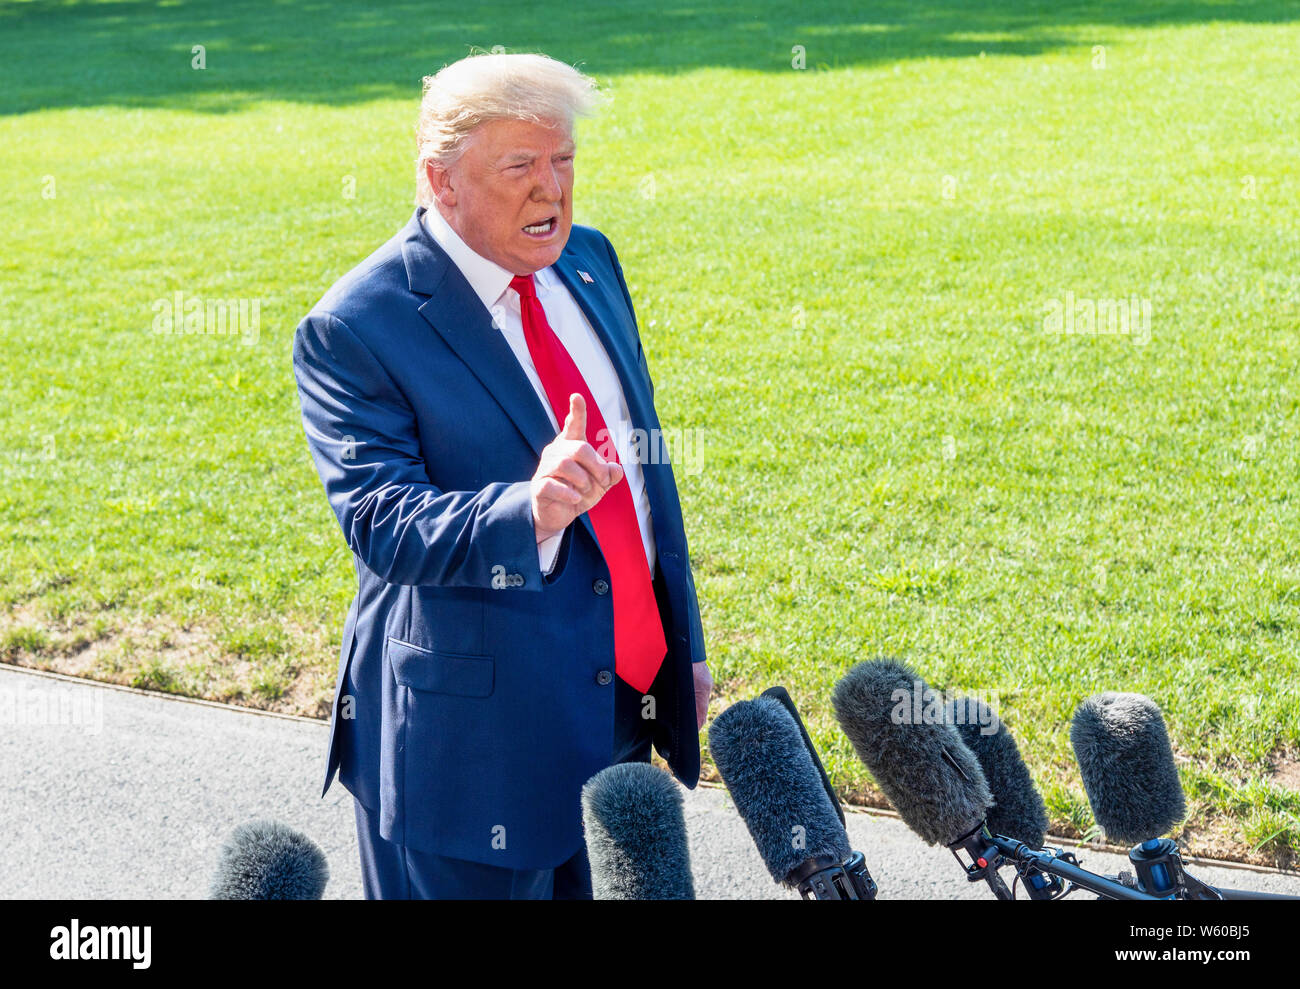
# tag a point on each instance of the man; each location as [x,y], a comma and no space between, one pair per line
[525,613]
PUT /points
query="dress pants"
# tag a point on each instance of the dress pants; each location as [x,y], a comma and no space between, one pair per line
[394,872]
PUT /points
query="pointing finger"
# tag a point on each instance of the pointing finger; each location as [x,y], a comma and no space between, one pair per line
[575,424]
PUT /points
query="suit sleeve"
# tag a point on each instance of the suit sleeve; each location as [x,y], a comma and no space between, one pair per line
[363,438]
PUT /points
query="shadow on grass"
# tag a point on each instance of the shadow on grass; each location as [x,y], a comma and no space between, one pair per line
[136,54]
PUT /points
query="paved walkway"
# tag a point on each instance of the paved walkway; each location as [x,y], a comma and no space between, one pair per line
[115,793]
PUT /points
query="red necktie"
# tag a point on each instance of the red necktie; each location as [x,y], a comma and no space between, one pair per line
[639,645]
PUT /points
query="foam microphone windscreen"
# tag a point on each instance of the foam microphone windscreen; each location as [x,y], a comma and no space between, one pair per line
[1127,766]
[1018,811]
[266,860]
[781,695]
[920,762]
[636,835]
[777,790]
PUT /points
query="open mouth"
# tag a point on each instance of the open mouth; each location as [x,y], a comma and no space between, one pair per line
[543,228]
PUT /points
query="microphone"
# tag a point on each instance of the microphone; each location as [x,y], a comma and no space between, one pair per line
[771,776]
[935,782]
[1127,766]
[1132,783]
[636,835]
[918,759]
[1018,810]
[266,860]
[780,694]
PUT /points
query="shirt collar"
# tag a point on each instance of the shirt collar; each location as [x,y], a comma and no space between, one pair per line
[487,278]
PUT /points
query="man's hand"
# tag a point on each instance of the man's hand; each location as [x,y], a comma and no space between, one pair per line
[703,688]
[571,476]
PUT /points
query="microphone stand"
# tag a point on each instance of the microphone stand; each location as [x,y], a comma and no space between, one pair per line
[1158,868]
[1043,871]
[1158,872]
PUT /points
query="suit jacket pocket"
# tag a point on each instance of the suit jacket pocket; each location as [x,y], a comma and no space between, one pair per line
[440,672]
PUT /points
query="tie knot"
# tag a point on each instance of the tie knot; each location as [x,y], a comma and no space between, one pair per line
[523,284]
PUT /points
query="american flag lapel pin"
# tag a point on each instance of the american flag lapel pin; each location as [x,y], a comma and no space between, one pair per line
[584,276]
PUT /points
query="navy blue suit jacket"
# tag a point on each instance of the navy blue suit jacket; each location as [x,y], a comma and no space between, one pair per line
[475,707]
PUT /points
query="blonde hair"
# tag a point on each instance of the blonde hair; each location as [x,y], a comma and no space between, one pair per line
[494,86]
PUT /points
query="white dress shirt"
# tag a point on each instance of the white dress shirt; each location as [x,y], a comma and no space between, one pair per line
[491,283]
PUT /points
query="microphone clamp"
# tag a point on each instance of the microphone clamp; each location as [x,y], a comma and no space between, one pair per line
[1159,871]
[985,859]
[823,878]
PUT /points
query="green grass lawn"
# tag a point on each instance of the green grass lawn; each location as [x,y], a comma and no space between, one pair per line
[842,275]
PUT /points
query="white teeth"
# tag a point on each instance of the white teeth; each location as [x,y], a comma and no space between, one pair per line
[539,228]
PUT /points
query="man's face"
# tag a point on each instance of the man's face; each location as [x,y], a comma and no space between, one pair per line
[510,194]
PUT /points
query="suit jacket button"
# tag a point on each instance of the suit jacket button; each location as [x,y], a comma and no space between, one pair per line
[604,678]
[600,585]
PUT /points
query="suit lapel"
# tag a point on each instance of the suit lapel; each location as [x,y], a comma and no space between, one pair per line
[595,300]
[598,299]
[457,314]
